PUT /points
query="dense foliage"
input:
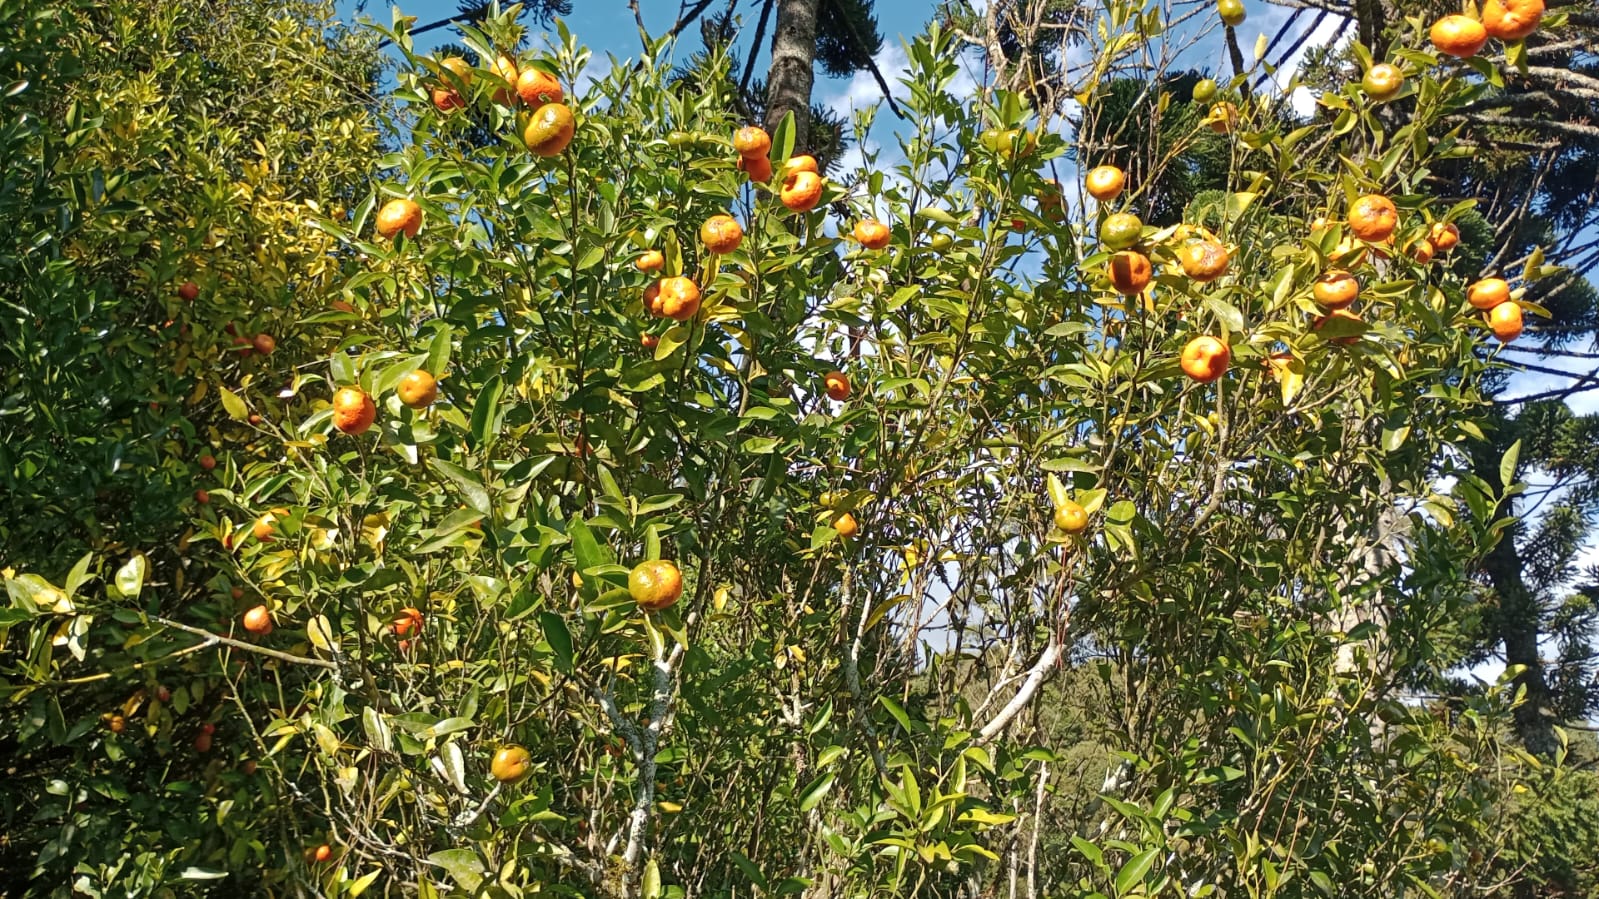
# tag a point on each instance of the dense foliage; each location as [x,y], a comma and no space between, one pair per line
[900,665]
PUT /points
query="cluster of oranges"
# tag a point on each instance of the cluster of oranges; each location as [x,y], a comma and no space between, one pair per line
[1462,36]
[1202,258]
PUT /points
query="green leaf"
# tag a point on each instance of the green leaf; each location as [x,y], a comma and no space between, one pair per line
[130,577]
[377,732]
[783,138]
[813,793]
[449,726]
[1089,850]
[588,552]
[750,870]
[439,347]
[233,405]
[1231,319]
[559,637]
[485,423]
[78,575]
[359,885]
[1507,465]
[462,865]
[1133,872]
[471,487]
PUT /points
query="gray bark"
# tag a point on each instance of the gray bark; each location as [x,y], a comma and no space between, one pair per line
[788,82]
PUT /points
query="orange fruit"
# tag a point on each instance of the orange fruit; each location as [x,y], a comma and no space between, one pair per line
[1104,183]
[1336,289]
[504,68]
[537,87]
[1373,218]
[759,168]
[399,215]
[510,764]
[1383,82]
[418,389]
[265,527]
[655,585]
[118,724]
[1130,272]
[649,341]
[801,163]
[1420,250]
[652,298]
[652,261]
[447,99]
[1205,359]
[1511,20]
[1231,12]
[208,461]
[189,291]
[801,191]
[1338,314]
[445,96]
[872,234]
[679,298]
[1445,236]
[1071,517]
[752,141]
[1488,293]
[258,621]
[836,383]
[264,343]
[549,130]
[1505,321]
[846,526]
[721,234]
[353,410]
[1223,118]
[202,497]
[407,621]
[323,853]
[1121,231]
[202,743]
[1204,260]
[1459,36]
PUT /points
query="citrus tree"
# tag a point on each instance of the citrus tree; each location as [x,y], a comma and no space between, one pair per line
[155,250]
[662,518]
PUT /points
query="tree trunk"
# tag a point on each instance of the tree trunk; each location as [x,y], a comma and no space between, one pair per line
[788,82]
[1518,622]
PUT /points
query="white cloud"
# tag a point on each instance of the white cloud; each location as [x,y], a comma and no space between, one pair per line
[861,91]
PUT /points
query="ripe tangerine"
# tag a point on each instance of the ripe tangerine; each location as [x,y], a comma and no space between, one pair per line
[837,386]
[721,234]
[655,585]
[1205,359]
[801,191]
[1459,36]
[549,130]
[353,410]
[399,215]
[418,389]
[872,234]
[258,621]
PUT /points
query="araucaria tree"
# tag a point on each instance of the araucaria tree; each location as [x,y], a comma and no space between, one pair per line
[625,508]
